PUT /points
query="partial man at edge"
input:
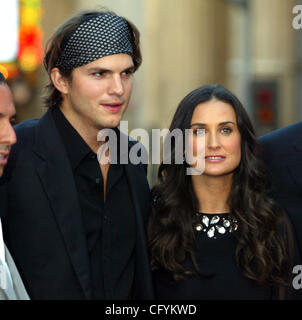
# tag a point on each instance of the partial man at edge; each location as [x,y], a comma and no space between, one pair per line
[11,286]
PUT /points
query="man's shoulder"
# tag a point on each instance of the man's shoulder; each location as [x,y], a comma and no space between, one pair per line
[288,132]
[26,129]
[25,133]
[125,137]
[282,137]
[26,126]
[131,141]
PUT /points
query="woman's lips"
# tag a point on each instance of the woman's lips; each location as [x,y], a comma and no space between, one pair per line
[214,159]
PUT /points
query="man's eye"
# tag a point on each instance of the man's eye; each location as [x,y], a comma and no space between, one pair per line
[127,73]
[98,74]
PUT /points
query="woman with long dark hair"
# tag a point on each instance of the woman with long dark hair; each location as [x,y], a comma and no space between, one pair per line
[217,235]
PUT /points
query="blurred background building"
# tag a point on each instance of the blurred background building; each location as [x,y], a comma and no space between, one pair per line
[249,46]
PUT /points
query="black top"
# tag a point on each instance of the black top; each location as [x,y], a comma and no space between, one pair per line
[109,225]
[216,260]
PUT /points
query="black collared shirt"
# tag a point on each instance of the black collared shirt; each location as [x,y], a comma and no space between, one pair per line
[109,224]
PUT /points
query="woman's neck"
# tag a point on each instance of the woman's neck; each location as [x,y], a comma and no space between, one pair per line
[212,193]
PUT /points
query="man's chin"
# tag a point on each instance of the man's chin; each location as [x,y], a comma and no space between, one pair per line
[113,123]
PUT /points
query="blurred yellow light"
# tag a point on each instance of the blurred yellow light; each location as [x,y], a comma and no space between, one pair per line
[30,35]
[29,16]
[28,60]
[4,71]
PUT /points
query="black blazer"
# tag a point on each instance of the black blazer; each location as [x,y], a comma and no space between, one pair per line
[43,227]
[282,153]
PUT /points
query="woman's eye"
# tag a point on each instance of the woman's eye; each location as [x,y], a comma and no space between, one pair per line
[199,132]
[226,130]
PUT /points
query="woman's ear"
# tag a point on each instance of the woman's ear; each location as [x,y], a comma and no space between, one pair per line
[59,81]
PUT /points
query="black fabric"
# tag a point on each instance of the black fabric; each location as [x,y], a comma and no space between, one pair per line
[43,227]
[109,225]
[84,18]
[223,280]
[282,153]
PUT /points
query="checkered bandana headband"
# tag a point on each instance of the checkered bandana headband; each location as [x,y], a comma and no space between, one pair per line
[100,36]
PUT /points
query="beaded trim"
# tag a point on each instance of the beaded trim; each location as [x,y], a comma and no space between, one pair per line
[214,225]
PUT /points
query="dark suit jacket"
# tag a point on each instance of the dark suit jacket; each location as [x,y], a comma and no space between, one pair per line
[43,228]
[282,153]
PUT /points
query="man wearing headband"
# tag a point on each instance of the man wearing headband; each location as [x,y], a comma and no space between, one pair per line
[77,228]
[11,286]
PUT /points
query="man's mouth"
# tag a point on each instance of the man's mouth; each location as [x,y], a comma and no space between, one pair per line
[3,158]
[113,107]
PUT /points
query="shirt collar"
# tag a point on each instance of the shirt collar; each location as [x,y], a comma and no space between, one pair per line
[77,149]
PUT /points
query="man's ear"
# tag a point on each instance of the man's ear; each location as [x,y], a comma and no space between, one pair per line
[59,81]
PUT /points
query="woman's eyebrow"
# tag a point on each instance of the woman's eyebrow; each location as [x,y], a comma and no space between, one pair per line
[220,124]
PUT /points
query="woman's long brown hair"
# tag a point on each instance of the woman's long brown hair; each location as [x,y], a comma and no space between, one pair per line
[261,251]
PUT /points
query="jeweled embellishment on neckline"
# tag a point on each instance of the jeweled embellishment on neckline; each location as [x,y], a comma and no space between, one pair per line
[205,220]
[211,232]
[215,226]
[199,227]
[220,229]
[215,220]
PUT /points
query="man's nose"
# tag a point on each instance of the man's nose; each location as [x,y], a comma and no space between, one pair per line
[116,85]
[7,135]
